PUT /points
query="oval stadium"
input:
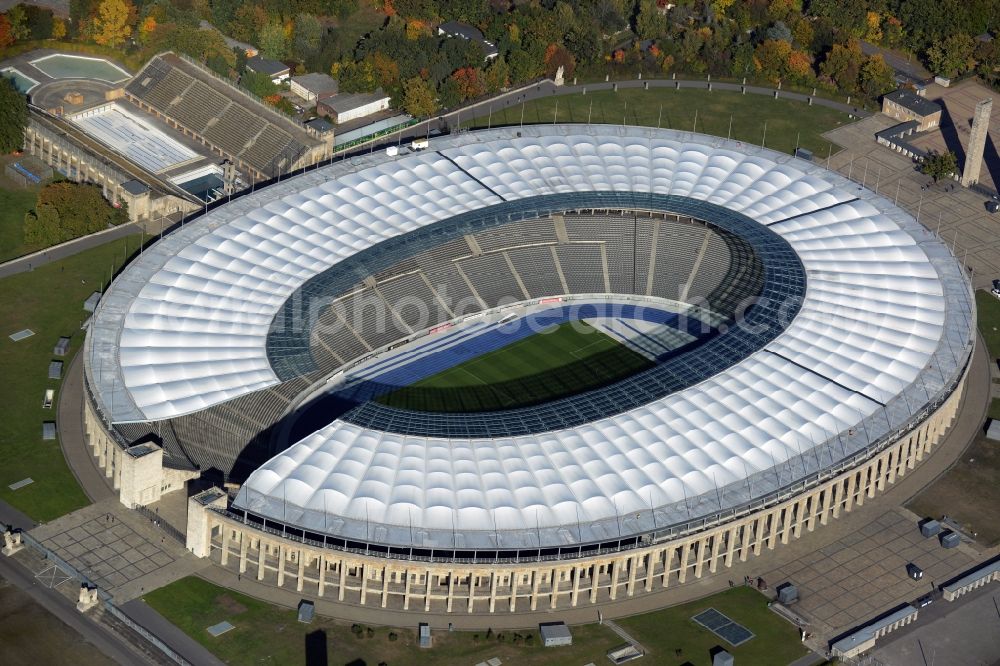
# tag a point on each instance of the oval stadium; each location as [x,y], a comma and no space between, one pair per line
[527,368]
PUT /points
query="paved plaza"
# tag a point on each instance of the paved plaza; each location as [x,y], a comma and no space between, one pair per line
[958,214]
[119,550]
[958,104]
[863,574]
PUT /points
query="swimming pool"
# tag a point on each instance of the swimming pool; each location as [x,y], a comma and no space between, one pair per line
[63,66]
[21,82]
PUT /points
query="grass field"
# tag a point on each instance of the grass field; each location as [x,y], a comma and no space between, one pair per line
[789,123]
[267,634]
[671,637]
[49,301]
[14,203]
[988,318]
[562,360]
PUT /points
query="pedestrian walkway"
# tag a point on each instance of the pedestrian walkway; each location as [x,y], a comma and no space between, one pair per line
[624,635]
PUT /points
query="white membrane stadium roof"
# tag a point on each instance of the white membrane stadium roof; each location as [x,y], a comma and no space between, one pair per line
[884,303]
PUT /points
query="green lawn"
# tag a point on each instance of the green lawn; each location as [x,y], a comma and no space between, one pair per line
[789,123]
[562,360]
[266,634]
[13,205]
[49,301]
[988,316]
[664,633]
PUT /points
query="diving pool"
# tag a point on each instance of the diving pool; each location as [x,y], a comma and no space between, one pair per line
[21,82]
[64,66]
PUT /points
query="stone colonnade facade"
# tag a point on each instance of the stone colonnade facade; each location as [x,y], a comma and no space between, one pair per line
[136,471]
[549,584]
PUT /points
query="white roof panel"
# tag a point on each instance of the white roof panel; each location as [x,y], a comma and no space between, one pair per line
[185,328]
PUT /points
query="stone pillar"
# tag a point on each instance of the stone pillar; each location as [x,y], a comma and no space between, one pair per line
[668,559]
[244,541]
[614,578]
[493,590]
[716,551]
[575,594]
[787,527]
[654,557]
[554,581]
[261,558]
[977,142]
[514,580]
[321,587]
[685,557]
[427,593]
[534,589]
[849,495]
[281,564]
[342,580]
[302,571]
[406,590]
[451,589]
[224,559]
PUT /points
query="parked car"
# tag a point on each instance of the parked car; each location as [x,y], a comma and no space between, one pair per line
[924,601]
[914,572]
[993,206]
[996,288]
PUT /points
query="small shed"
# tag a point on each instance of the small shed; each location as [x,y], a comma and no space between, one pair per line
[993,429]
[61,347]
[930,527]
[424,635]
[555,634]
[49,430]
[804,154]
[950,539]
[55,369]
[722,658]
[787,593]
[91,303]
[307,611]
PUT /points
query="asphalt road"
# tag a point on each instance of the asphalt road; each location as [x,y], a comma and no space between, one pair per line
[64,250]
[58,605]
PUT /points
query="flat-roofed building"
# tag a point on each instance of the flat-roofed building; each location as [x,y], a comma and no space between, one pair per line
[277,70]
[463,31]
[342,108]
[903,104]
[314,86]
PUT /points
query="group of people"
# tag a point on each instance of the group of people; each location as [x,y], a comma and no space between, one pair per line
[750,581]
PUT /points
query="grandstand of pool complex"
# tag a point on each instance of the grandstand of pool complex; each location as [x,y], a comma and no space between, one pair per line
[795,323]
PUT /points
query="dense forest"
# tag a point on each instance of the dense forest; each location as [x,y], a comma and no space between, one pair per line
[393,44]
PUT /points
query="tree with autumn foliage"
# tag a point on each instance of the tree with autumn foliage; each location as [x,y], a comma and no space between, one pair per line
[555,57]
[469,83]
[113,23]
[843,65]
[876,77]
[418,98]
[6,34]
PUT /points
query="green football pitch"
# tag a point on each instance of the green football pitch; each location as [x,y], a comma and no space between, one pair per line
[559,361]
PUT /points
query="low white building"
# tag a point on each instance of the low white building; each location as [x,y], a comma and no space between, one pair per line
[314,86]
[342,108]
[555,634]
